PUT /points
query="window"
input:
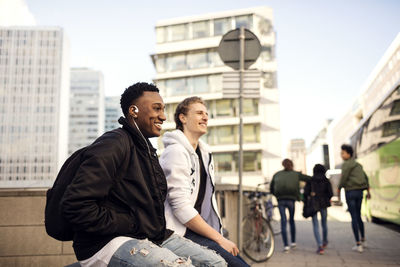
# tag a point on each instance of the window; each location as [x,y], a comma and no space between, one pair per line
[222,26]
[160,63]
[176,62]
[198,84]
[201,29]
[391,128]
[250,106]
[177,32]
[160,34]
[214,60]
[175,87]
[251,133]
[266,53]
[395,108]
[223,162]
[225,135]
[215,83]
[224,108]
[245,21]
[269,80]
[197,60]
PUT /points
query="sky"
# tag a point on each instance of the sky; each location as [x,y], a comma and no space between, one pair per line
[325,49]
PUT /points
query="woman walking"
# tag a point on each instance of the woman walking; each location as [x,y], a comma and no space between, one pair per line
[319,187]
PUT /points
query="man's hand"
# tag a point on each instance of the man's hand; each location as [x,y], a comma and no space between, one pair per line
[368,195]
[228,246]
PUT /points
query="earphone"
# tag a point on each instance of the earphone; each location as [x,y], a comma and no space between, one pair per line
[136,109]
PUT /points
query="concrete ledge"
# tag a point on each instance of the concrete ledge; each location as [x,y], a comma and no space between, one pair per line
[37,261]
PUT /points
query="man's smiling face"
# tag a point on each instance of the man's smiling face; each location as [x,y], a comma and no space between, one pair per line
[151,114]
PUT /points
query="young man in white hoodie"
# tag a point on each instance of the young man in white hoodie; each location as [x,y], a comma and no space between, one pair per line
[190,208]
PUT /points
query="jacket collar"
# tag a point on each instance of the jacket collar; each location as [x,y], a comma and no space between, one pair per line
[136,135]
[177,136]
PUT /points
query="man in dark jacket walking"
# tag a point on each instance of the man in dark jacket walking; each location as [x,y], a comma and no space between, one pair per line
[320,188]
[285,186]
[116,199]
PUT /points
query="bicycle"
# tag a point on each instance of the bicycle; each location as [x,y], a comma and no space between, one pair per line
[258,235]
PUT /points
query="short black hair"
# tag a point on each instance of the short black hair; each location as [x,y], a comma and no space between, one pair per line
[319,169]
[133,92]
[348,149]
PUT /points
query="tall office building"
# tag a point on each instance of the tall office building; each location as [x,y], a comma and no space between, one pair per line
[187,64]
[113,112]
[86,121]
[297,153]
[34,84]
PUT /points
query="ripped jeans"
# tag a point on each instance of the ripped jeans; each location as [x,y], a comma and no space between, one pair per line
[175,251]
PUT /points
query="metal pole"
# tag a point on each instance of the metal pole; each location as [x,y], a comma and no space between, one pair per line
[240,199]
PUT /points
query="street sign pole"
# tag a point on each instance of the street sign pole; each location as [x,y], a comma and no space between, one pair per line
[239,49]
[240,199]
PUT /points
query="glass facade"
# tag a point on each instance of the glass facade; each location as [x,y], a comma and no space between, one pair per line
[222,108]
[190,85]
[202,29]
[227,162]
[29,105]
[188,61]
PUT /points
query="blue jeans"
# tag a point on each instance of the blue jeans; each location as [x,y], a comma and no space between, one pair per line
[354,199]
[175,250]
[282,205]
[233,261]
[323,225]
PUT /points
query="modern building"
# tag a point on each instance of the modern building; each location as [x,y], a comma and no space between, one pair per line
[34,103]
[86,119]
[113,112]
[382,82]
[318,151]
[187,64]
[296,151]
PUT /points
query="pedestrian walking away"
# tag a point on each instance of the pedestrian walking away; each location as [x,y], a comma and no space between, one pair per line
[354,181]
[115,201]
[285,186]
[320,188]
[191,208]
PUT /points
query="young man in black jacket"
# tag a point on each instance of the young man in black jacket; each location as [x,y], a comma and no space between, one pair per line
[116,199]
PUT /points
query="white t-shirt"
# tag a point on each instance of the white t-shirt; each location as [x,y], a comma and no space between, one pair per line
[103,256]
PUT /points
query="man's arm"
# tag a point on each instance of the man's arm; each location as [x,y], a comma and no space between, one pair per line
[201,227]
[91,184]
[304,177]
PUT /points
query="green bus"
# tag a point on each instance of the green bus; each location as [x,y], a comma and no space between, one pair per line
[377,147]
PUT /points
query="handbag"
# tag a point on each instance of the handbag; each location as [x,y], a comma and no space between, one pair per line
[309,208]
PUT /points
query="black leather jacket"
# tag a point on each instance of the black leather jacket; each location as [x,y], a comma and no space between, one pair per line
[119,190]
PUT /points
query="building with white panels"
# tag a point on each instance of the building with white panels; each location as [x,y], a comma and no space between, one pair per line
[86,121]
[187,64]
[34,105]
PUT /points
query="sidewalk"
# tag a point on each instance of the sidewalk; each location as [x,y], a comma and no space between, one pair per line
[383,245]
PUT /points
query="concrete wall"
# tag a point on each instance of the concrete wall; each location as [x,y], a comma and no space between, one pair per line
[23,238]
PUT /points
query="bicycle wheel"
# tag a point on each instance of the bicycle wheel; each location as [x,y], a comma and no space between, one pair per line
[258,239]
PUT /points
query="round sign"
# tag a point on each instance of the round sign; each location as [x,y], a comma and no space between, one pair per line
[229,48]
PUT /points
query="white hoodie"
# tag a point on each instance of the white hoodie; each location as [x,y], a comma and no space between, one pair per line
[181,167]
